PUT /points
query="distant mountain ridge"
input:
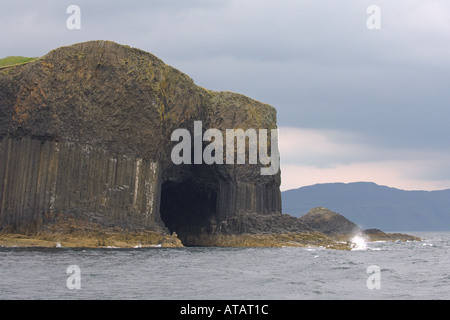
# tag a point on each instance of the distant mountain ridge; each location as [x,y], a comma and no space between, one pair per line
[373,206]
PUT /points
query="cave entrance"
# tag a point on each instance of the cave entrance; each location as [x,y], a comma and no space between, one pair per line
[187,208]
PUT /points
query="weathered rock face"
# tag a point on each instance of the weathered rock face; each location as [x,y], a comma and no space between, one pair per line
[328,222]
[86,131]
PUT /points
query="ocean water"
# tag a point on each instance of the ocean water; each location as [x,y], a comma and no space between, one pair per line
[411,270]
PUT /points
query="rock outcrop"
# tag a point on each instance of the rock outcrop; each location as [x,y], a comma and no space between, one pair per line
[378,235]
[85,132]
[328,222]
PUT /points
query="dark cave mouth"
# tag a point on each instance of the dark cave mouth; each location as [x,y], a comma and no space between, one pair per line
[187,208]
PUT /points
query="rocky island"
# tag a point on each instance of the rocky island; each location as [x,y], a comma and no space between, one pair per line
[85,160]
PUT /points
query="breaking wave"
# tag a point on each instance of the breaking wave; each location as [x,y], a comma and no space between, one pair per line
[359,242]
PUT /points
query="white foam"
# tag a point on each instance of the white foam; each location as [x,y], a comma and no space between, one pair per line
[359,243]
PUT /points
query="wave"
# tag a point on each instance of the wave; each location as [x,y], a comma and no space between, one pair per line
[359,242]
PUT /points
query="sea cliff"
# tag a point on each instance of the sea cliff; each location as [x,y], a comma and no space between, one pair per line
[85,158]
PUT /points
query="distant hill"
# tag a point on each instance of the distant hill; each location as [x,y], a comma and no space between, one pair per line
[373,206]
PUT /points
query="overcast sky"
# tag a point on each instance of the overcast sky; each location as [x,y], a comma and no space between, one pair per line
[353,104]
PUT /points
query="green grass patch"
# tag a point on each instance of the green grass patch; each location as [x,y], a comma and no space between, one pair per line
[14,61]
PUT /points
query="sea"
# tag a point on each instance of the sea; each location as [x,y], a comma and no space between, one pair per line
[372,271]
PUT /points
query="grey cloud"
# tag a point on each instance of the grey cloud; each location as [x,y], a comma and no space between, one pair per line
[315,61]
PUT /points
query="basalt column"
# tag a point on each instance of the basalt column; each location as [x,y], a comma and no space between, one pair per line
[41,180]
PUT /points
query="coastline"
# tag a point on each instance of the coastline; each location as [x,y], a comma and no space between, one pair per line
[69,232]
[119,240]
[148,239]
[73,233]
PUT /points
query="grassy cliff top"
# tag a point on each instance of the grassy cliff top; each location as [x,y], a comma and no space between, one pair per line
[14,60]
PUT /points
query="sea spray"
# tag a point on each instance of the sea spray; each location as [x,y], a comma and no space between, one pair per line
[359,242]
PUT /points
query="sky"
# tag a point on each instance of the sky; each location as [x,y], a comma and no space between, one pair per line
[354,103]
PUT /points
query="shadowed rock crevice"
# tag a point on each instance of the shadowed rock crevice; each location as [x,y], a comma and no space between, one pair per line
[188,208]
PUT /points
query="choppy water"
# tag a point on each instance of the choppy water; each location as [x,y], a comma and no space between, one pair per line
[412,270]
